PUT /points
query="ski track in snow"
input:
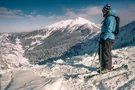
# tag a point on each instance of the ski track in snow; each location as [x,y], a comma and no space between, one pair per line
[62,75]
[10,81]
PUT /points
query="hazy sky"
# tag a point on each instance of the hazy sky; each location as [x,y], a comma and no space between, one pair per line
[27,15]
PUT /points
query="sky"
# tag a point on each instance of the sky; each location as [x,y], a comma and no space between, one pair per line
[28,15]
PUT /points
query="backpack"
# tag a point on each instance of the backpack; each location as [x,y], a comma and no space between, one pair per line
[116,32]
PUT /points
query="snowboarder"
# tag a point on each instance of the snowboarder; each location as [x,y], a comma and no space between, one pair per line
[107,38]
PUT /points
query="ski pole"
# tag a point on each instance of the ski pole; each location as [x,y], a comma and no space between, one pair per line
[0,81]
[94,58]
[100,58]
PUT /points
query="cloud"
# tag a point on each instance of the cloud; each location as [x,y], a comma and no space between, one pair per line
[93,13]
[40,17]
[37,17]
[90,11]
[6,13]
[34,12]
[127,15]
[87,12]
[69,13]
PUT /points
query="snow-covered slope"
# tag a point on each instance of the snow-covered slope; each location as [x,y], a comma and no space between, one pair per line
[11,55]
[61,74]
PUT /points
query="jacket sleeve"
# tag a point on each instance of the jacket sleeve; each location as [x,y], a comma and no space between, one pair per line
[110,21]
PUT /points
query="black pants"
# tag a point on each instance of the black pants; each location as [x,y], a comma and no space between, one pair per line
[106,58]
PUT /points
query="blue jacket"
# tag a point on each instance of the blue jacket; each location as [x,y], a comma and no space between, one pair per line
[110,26]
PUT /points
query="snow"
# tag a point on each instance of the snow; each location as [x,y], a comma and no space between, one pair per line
[59,61]
[53,86]
[59,25]
[36,42]
[33,37]
[11,54]
[70,25]
[80,21]
[60,74]
[87,61]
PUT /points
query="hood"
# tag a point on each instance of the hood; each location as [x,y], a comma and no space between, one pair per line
[112,12]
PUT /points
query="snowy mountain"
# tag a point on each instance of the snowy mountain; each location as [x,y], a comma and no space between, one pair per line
[57,38]
[11,53]
[67,25]
[71,25]
[126,36]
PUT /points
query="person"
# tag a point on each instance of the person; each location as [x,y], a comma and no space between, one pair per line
[107,38]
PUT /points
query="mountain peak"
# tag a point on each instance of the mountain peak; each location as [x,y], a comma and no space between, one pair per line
[81,21]
[71,24]
[79,18]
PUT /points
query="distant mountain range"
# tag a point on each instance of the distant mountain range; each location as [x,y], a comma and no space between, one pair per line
[66,39]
